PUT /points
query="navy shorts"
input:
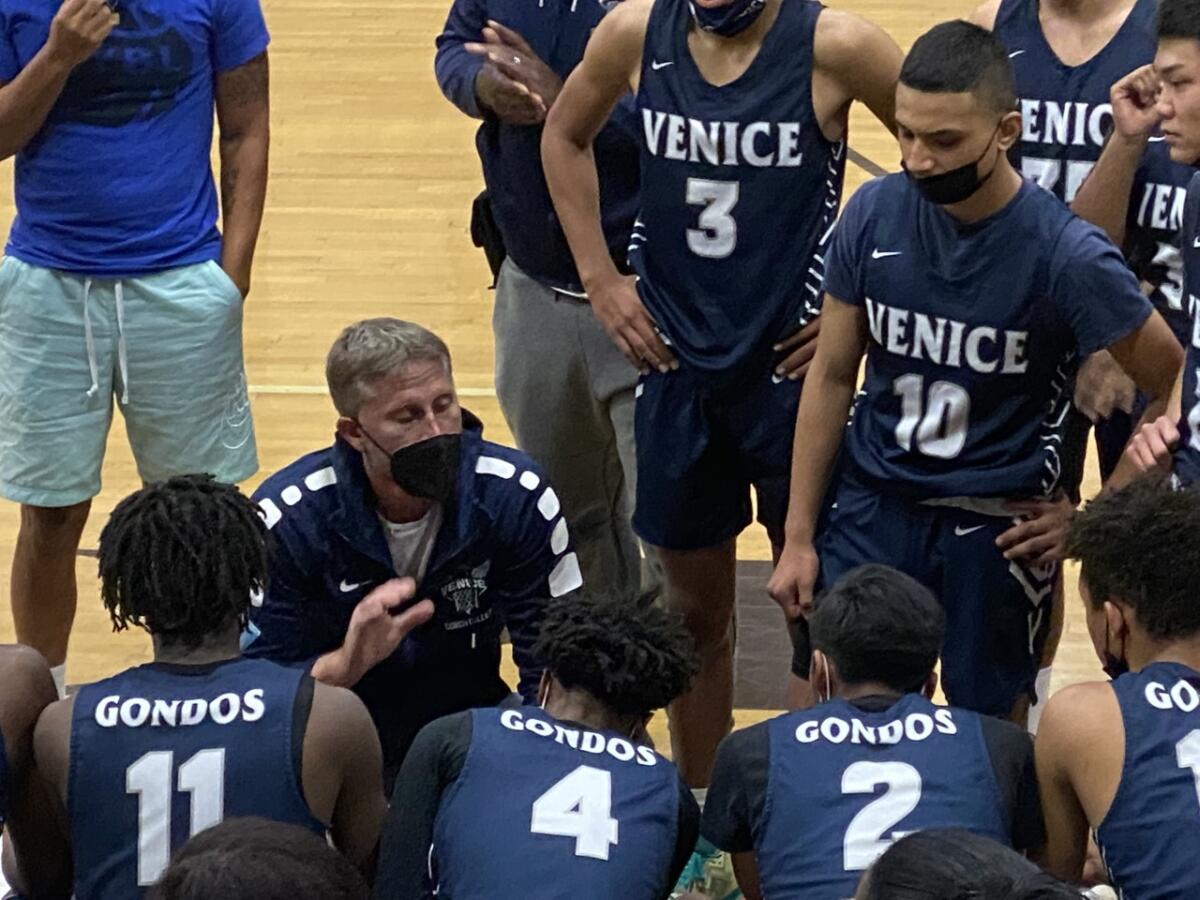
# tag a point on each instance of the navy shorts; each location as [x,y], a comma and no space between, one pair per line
[997,611]
[702,442]
[1114,433]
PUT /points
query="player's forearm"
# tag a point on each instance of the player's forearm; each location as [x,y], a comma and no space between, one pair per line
[575,189]
[26,101]
[1103,199]
[243,193]
[820,423]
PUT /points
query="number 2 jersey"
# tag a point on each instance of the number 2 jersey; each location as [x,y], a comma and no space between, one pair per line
[162,751]
[975,331]
[821,793]
[1150,837]
[1066,116]
[515,803]
[739,191]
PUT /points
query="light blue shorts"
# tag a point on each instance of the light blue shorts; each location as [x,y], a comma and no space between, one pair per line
[169,348]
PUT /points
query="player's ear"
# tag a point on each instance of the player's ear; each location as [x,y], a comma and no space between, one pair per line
[1116,623]
[351,432]
[1010,129]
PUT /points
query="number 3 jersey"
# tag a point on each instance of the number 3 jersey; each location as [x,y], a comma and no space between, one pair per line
[739,190]
[819,794]
[1150,837]
[162,751]
[974,336]
[543,809]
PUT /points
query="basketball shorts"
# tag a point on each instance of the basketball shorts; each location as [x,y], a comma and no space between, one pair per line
[702,444]
[167,346]
[997,611]
[1114,433]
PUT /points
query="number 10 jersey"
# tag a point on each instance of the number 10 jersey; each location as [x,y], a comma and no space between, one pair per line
[161,752]
[739,190]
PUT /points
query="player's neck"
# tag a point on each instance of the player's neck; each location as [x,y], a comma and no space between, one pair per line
[995,194]
[399,507]
[851,692]
[571,706]
[1085,10]
[1185,651]
[214,648]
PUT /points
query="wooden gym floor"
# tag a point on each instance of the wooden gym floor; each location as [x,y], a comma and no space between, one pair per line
[372,177]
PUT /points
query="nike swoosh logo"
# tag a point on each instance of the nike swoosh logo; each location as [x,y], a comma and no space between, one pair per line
[1015,54]
[656,65]
[347,588]
[959,531]
[877,254]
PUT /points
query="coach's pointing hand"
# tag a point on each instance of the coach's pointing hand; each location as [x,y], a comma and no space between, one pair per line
[377,627]
[791,584]
[620,310]
[78,28]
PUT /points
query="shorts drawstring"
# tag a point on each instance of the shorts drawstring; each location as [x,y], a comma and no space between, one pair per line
[122,353]
[88,339]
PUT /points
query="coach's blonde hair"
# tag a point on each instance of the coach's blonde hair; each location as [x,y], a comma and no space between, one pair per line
[368,350]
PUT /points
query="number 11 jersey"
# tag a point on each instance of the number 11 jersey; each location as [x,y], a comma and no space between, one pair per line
[739,190]
[161,751]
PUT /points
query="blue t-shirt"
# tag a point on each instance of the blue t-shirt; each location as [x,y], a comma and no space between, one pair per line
[975,333]
[1150,837]
[739,191]
[161,751]
[118,182]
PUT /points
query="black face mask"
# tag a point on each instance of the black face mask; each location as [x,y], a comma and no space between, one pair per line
[728,20]
[428,468]
[1114,666]
[956,185]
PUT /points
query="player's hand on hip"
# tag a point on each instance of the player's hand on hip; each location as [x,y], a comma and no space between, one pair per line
[1133,99]
[798,349]
[1152,445]
[1102,387]
[380,622]
[1039,534]
[620,310]
[791,584]
[510,101]
[78,28]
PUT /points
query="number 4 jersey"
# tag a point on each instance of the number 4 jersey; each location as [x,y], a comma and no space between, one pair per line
[974,336]
[163,751]
[1150,837]
[819,794]
[739,190]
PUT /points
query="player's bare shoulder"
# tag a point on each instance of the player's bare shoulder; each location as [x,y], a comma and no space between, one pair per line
[1079,715]
[618,40]
[853,59]
[843,39]
[985,14]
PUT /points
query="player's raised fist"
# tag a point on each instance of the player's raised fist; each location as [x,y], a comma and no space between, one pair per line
[78,28]
[1153,444]
[1133,103]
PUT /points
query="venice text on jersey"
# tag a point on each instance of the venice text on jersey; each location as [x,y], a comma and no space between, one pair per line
[947,342]
[761,144]
[1073,123]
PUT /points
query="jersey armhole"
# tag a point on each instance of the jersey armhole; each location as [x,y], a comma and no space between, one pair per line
[301,710]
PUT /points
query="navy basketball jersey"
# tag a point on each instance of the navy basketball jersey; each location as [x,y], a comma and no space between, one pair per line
[845,783]
[4,774]
[1150,838]
[547,809]
[739,191]
[1154,234]
[974,334]
[161,752]
[1065,110]
[1187,454]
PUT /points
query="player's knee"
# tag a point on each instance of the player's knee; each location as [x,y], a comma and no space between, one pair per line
[54,528]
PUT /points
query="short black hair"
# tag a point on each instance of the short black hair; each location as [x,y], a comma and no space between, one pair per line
[632,656]
[181,558]
[257,859]
[950,864]
[1141,545]
[1179,19]
[959,58]
[879,625]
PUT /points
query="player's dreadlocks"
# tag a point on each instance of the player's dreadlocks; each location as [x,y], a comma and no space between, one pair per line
[181,557]
[634,658]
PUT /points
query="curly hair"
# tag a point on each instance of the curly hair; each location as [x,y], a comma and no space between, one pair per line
[634,657]
[181,558]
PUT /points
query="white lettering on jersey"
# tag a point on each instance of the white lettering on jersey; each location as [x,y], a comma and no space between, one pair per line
[1073,123]
[134,712]
[758,144]
[586,741]
[1161,207]
[946,342]
[913,727]
[1182,695]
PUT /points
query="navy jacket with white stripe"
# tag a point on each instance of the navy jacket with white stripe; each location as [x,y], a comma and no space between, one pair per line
[496,560]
